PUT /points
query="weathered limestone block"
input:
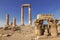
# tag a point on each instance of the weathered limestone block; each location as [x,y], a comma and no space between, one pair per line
[53,31]
[58,27]
[53,28]
[36,22]
[5,35]
[37,31]
[38,28]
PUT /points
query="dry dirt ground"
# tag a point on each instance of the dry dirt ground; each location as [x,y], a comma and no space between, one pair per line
[26,33]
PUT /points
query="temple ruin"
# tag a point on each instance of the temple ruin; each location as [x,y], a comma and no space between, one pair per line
[29,14]
[51,27]
[40,28]
[12,24]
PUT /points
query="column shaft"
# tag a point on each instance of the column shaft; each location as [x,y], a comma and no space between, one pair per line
[7,19]
[29,14]
[14,21]
[22,15]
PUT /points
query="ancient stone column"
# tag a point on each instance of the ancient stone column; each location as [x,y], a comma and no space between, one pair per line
[7,20]
[22,15]
[29,18]
[14,22]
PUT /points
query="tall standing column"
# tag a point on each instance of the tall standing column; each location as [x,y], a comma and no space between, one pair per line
[22,15]
[29,18]
[14,21]
[7,20]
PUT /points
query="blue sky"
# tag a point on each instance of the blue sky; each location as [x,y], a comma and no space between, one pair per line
[13,8]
